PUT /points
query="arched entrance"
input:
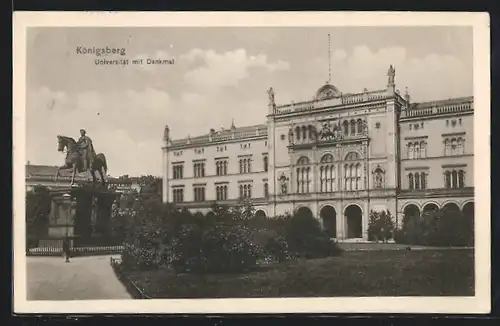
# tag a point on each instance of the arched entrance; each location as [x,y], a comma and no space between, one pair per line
[353,222]
[430,207]
[260,213]
[468,210]
[329,217]
[210,214]
[411,223]
[451,208]
[468,216]
[411,212]
[304,211]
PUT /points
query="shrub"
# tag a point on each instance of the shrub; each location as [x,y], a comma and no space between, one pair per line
[437,228]
[306,239]
[380,226]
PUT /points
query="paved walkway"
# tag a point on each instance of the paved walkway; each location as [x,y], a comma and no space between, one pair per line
[84,278]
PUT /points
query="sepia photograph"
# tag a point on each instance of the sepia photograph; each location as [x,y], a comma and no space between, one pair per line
[306,159]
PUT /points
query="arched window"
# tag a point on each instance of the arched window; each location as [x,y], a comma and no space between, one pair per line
[346,177]
[410,181]
[417,150]
[360,126]
[358,176]
[266,190]
[225,167]
[461,179]
[453,146]
[447,179]
[417,180]
[346,128]
[352,156]
[423,180]
[241,191]
[327,173]
[297,132]
[303,175]
[353,127]
[310,131]
[423,149]
[447,147]
[410,151]
[265,164]
[304,133]
[460,144]
[454,179]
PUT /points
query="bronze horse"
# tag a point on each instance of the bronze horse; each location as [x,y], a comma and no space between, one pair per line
[74,160]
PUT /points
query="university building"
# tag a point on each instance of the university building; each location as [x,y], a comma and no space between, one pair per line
[337,157]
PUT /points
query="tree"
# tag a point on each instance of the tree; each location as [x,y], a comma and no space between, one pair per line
[380,226]
[37,213]
[151,186]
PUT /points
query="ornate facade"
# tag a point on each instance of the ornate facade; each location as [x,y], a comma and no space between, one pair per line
[337,157]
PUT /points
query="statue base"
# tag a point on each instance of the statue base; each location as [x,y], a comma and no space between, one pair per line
[82,213]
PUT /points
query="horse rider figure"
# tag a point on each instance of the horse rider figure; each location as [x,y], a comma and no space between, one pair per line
[86,150]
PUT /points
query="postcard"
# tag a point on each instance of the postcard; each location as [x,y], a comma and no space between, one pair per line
[280,162]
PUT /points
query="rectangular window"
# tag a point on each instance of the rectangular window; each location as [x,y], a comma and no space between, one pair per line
[245,190]
[221,192]
[178,194]
[417,181]
[199,169]
[221,167]
[178,171]
[199,193]
[245,165]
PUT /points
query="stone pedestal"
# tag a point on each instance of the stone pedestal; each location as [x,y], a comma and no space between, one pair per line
[81,213]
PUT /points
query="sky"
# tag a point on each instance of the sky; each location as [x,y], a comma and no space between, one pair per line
[219,74]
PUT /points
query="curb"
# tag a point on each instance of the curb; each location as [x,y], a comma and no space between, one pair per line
[132,289]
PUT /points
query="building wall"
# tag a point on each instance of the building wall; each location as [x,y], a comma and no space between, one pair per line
[380,149]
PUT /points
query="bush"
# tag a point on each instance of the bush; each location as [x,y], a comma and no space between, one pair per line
[380,226]
[437,228]
[306,239]
[232,240]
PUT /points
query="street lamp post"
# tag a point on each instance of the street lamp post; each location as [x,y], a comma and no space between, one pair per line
[67,198]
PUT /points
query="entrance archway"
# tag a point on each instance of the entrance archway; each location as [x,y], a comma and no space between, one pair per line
[411,225]
[329,217]
[468,210]
[468,216]
[260,213]
[304,211]
[411,212]
[430,207]
[210,214]
[451,208]
[354,222]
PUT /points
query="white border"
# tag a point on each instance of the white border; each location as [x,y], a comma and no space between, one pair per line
[480,23]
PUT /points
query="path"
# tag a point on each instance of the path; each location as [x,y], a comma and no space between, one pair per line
[84,278]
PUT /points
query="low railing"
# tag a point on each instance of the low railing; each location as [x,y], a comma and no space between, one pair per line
[132,289]
[226,135]
[340,100]
[438,108]
[57,250]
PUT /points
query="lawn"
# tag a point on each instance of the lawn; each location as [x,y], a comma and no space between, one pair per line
[375,273]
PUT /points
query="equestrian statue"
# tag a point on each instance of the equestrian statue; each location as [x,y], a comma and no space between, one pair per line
[81,157]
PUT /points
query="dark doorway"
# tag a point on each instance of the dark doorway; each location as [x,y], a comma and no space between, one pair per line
[329,218]
[354,222]
[260,213]
[304,211]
